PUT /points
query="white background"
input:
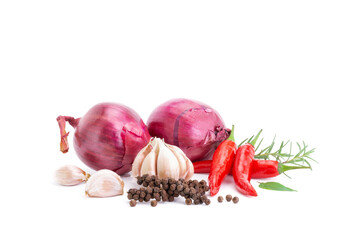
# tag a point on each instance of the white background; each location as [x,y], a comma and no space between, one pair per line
[288,67]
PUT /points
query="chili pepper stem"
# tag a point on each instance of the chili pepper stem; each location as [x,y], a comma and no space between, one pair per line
[283,168]
[231,137]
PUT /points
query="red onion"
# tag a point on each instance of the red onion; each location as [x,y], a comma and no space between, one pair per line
[109,136]
[193,126]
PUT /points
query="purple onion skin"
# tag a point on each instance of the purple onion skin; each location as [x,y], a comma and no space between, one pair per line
[191,125]
[109,136]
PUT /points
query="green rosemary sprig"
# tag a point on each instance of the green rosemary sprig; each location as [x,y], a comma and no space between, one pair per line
[301,158]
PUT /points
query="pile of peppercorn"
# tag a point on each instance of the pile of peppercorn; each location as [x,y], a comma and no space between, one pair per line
[167,190]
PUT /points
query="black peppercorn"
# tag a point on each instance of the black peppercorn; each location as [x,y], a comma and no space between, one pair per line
[235,200]
[153,203]
[163,192]
[136,196]
[147,197]
[188,201]
[157,198]
[179,187]
[149,190]
[220,199]
[156,189]
[157,182]
[172,181]
[165,181]
[228,197]
[140,181]
[132,203]
[173,187]
[148,179]
[129,196]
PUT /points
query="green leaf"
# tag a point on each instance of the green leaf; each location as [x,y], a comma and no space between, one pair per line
[290,151]
[271,146]
[275,186]
[242,142]
[284,155]
[259,144]
[263,150]
[250,139]
[253,141]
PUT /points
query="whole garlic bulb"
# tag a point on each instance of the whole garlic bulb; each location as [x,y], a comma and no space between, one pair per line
[163,160]
[104,183]
[70,175]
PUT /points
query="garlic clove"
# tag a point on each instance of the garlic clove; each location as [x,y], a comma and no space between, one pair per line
[190,169]
[189,166]
[148,165]
[139,159]
[167,163]
[104,183]
[180,156]
[70,175]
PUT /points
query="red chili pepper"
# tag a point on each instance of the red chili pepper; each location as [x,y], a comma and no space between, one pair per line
[202,166]
[265,168]
[222,162]
[259,168]
[270,168]
[242,167]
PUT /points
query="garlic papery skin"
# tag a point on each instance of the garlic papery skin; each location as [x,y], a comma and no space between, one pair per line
[70,175]
[104,183]
[163,160]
